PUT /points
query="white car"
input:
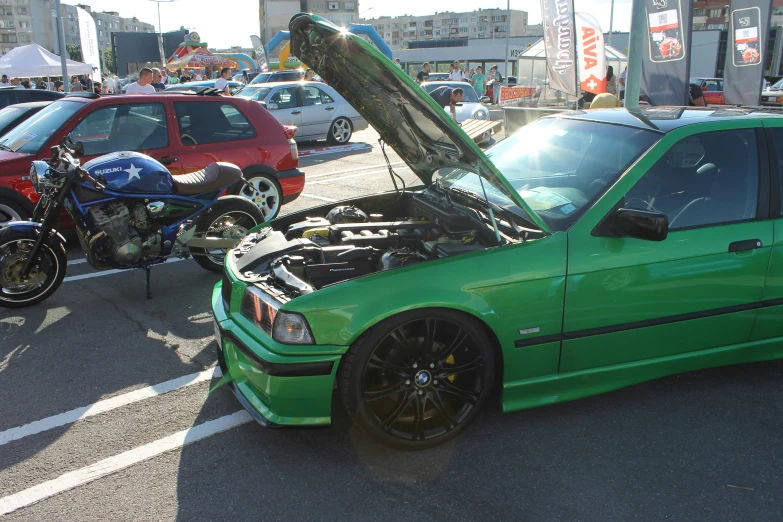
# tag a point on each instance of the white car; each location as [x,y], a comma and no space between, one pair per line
[315,108]
[471,106]
[773,96]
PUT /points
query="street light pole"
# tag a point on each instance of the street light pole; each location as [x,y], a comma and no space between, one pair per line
[160,30]
[63,50]
[611,23]
[508,31]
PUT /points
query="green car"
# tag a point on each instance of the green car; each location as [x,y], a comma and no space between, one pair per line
[589,251]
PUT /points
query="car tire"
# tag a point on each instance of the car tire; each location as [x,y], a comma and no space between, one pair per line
[12,211]
[340,131]
[269,198]
[238,212]
[407,395]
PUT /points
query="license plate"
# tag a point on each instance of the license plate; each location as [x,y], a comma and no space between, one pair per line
[218,337]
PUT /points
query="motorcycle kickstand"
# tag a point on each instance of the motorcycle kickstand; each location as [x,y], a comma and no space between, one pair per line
[148,270]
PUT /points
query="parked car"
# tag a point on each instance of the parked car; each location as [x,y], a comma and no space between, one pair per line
[316,109]
[773,95]
[13,115]
[293,75]
[471,106]
[712,88]
[12,96]
[184,132]
[438,77]
[586,252]
[241,78]
[193,86]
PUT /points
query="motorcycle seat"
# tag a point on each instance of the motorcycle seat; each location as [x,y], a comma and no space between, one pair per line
[212,177]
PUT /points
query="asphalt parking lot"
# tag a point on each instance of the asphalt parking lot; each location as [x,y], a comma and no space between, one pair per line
[105,414]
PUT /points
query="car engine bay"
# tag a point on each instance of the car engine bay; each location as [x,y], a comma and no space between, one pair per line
[297,257]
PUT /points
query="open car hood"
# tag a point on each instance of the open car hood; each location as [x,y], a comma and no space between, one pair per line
[406,117]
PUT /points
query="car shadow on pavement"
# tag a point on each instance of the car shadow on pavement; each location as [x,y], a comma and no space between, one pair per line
[694,446]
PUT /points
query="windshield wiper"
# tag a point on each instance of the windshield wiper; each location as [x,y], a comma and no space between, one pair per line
[6,147]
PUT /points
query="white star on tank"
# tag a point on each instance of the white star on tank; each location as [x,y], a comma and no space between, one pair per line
[133,172]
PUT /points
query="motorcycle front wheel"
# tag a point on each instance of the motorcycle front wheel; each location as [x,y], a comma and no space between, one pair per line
[229,218]
[45,277]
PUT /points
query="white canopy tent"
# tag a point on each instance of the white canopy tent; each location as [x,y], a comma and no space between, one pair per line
[33,61]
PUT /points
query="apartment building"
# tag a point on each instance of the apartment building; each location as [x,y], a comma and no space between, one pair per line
[275,14]
[399,31]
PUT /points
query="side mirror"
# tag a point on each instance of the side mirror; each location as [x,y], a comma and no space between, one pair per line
[640,224]
[271,106]
[484,99]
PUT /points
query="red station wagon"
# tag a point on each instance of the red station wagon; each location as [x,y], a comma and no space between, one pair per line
[185,132]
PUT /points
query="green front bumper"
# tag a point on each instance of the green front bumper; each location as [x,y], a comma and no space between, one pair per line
[284,390]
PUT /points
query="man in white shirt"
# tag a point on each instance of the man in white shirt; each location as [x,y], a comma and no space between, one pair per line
[143,86]
[221,83]
[4,81]
[165,80]
[623,77]
[17,83]
[456,74]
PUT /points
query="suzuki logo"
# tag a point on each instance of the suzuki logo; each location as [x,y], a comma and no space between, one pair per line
[745,21]
[660,4]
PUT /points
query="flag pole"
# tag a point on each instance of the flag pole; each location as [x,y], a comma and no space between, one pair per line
[61,37]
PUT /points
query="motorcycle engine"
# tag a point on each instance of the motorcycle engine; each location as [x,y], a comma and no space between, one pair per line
[128,235]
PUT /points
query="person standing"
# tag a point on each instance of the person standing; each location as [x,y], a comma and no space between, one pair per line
[76,85]
[479,81]
[4,81]
[448,97]
[497,81]
[164,78]
[221,84]
[456,74]
[397,63]
[623,76]
[156,83]
[142,86]
[611,80]
[424,74]
[696,96]
[309,75]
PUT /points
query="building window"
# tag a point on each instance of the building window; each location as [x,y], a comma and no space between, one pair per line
[473,20]
[24,37]
[334,6]
[716,13]
[70,16]
[437,32]
[437,23]
[473,29]
[499,18]
[463,20]
[350,5]
[24,25]
[463,29]
[334,17]
[482,28]
[318,5]
[100,23]
[348,17]
[421,33]
[73,30]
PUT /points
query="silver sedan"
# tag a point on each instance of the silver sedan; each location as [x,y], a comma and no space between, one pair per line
[315,108]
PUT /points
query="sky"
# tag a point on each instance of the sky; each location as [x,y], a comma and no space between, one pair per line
[233,24]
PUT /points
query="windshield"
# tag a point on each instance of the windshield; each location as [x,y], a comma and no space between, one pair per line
[34,133]
[560,167]
[468,93]
[254,93]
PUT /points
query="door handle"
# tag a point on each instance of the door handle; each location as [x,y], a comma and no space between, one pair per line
[167,160]
[296,112]
[329,109]
[747,244]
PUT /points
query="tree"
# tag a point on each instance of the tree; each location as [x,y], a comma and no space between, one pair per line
[108,60]
[74,51]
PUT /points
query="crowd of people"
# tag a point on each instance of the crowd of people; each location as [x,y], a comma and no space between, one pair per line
[482,83]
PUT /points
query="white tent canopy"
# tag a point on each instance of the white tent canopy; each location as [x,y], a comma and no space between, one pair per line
[532,63]
[33,61]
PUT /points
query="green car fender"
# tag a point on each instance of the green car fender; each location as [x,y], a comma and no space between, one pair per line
[508,289]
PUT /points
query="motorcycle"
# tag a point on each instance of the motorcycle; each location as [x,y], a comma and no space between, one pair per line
[130,212]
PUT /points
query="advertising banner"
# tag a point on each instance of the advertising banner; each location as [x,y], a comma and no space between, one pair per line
[743,72]
[591,54]
[559,35]
[258,47]
[666,61]
[517,95]
[88,35]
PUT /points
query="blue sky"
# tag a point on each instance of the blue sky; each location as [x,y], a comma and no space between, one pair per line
[233,24]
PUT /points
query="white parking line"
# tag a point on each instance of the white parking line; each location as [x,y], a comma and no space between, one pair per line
[69,417]
[76,261]
[313,176]
[119,462]
[111,272]
[328,200]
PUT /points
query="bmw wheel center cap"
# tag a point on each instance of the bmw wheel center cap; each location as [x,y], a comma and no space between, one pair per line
[423,378]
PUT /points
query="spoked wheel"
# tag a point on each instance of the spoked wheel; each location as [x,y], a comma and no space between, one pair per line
[17,291]
[417,381]
[340,131]
[265,194]
[230,218]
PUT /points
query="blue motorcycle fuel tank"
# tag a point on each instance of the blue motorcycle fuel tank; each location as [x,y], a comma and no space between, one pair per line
[131,172]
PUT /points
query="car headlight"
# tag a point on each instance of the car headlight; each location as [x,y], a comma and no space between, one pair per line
[291,328]
[480,115]
[260,308]
[264,311]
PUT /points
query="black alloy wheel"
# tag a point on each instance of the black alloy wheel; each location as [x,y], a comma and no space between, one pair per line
[416,381]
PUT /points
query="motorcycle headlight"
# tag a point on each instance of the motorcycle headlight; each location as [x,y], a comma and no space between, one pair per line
[292,328]
[480,115]
[260,308]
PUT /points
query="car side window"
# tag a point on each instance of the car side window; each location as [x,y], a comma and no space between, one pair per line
[285,98]
[211,122]
[712,86]
[703,180]
[123,127]
[314,96]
